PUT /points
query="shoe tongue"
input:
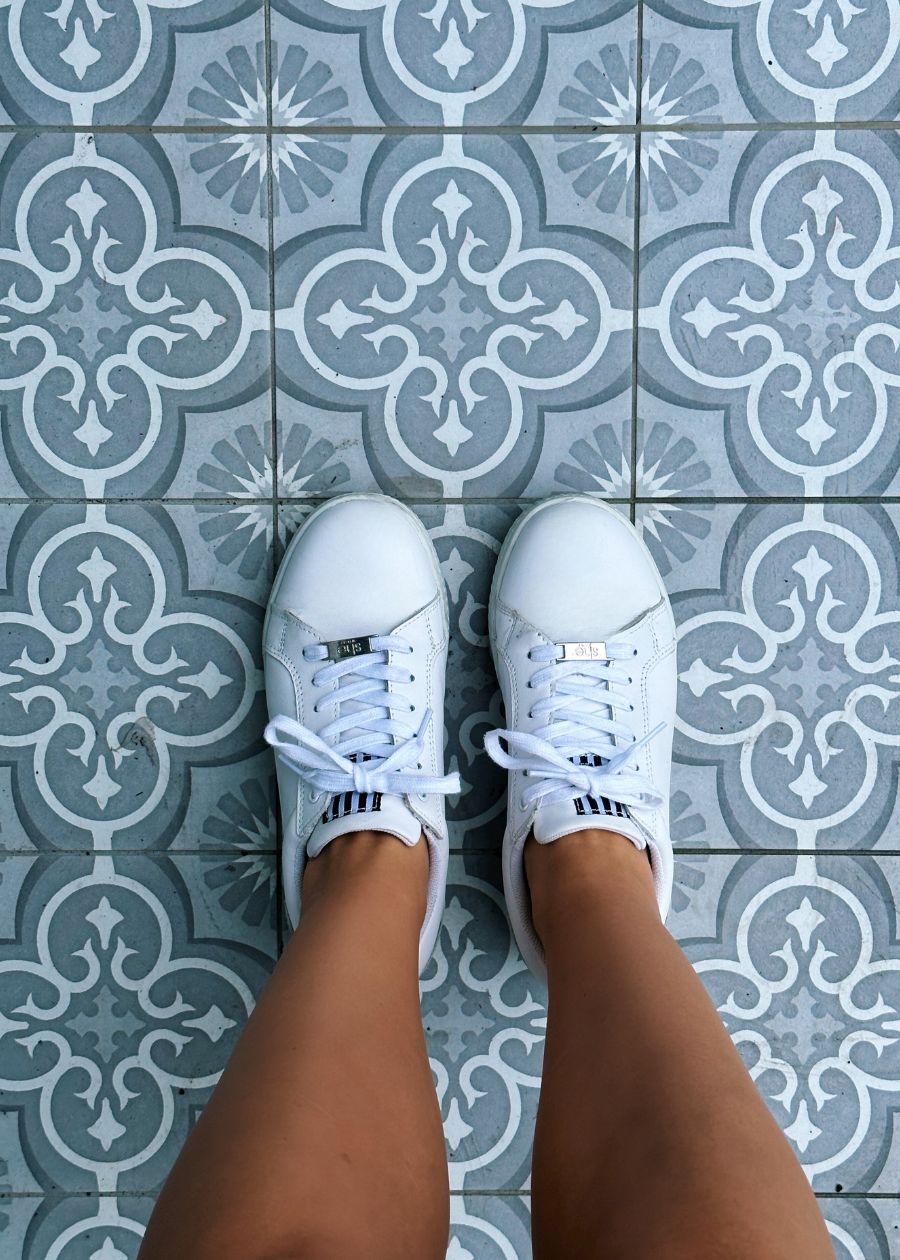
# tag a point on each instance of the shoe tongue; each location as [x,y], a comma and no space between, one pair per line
[364,811]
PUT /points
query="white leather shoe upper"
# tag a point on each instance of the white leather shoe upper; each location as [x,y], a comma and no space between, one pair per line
[355,645]
[590,723]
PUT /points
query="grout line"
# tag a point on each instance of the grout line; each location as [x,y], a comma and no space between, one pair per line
[635,256]
[412,129]
[274,435]
[312,500]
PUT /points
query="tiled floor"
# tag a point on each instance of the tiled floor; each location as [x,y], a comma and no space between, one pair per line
[253,255]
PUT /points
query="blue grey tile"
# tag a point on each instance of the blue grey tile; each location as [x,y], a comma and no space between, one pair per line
[787,668]
[457,62]
[72,1227]
[89,64]
[218,74]
[800,956]
[861,1228]
[83,1227]
[321,451]
[121,669]
[135,315]
[590,75]
[690,74]
[779,316]
[456,322]
[319,71]
[688,177]
[794,64]
[490,1227]
[226,453]
[683,451]
[139,975]
[484,1017]
[318,180]
[585,449]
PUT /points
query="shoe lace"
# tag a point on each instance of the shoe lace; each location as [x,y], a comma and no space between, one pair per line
[368,747]
[580,713]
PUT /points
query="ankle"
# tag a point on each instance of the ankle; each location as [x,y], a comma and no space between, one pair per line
[356,864]
[587,868]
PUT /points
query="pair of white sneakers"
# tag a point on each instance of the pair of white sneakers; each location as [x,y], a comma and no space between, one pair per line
[583,641]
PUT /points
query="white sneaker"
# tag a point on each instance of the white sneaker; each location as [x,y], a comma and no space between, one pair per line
[584,647]
[355,656]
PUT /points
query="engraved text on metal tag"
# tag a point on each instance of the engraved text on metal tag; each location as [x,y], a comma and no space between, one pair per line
[340,649]
[583,652]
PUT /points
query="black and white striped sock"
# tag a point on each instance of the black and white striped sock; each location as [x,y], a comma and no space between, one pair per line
[597,805]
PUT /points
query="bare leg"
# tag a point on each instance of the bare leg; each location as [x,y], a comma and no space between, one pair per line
[323,1139]
[651,1137]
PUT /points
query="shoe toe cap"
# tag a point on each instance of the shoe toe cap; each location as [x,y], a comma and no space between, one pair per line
[577,570]
[361,565]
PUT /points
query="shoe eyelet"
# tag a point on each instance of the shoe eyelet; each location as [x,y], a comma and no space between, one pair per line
[412,678]
[634,651]
[630,681]
[312,794]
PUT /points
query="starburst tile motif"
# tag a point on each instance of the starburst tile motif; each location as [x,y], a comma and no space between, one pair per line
[302,95]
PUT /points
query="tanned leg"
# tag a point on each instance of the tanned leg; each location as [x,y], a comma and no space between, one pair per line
[652,1140]
[323,1139]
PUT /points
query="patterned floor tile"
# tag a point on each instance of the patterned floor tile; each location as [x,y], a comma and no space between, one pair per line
[863,1229]
[123,315]
[120,670]
[800,956]
[455,321]
[321,451]
[87,64]
[781,317]
[817,62]
[484,1019]
[125,986]
[586,449]
[459,63]
[689,76]
[490,1227]
[787,661]
[59,1227]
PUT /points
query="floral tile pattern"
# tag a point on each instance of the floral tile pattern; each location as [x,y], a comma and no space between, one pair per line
[252,256]
[784,316]
[815,62]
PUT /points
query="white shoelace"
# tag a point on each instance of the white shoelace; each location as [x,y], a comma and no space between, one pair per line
[367,748]
[580,714]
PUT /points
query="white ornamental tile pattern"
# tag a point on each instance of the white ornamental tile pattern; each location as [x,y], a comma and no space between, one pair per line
[451,316]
